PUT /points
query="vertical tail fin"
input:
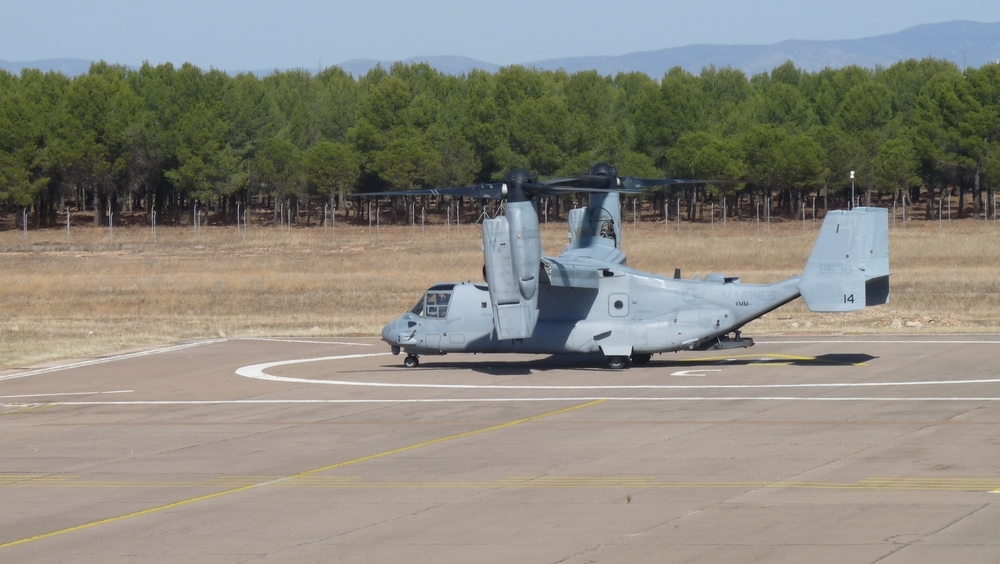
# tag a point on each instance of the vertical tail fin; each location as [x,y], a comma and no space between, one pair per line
[849,265]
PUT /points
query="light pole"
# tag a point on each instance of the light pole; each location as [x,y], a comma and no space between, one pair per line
[852,191]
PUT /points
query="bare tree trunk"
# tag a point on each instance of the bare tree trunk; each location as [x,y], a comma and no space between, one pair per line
[977,195]
[961,200]
[97,209]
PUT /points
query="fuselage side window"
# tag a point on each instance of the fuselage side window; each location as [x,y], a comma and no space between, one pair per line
[436,305]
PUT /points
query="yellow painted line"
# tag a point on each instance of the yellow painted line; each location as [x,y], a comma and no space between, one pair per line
[587,484]
[956,484]
[295,476]
[547,482]
[444,439]
[15,408]
[7,480]
[35,476]
[582,477]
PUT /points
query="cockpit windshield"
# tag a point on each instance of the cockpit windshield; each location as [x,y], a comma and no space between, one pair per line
[434,304]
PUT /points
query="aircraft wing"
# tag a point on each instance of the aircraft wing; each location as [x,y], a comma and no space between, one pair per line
[571,274]
[583,263]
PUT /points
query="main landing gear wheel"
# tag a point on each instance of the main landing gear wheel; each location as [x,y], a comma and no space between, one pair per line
[411,361]
[617,362]
[640,359]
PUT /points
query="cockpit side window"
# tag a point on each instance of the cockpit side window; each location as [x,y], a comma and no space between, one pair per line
[419,308]
[436,304]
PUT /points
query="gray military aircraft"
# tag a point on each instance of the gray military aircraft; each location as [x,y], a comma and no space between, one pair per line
[588,301]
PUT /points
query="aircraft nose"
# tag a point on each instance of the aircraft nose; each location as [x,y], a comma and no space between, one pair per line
[388,334]
[400,332]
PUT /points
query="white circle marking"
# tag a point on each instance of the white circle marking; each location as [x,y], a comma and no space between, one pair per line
[257,372]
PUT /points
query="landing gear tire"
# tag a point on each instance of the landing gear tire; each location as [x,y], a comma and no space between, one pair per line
[617,362]
[641,359]
[411,361]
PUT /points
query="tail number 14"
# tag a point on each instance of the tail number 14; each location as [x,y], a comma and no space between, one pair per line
[849,299]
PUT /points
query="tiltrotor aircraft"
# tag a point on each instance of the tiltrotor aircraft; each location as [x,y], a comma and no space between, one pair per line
[588,301]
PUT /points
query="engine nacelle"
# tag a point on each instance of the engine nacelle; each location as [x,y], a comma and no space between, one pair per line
[512,250]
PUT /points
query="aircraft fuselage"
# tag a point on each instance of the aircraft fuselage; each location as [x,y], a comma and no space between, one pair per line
[629,313]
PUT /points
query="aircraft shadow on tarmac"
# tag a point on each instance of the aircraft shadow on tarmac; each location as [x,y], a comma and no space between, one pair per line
[834,359]
[599,362]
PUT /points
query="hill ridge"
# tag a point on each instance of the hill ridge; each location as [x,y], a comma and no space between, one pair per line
[965,43]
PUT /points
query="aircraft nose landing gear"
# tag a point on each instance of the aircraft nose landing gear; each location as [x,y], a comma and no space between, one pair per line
[411,361]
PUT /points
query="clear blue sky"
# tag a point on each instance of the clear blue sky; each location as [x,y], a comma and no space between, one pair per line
[261,34]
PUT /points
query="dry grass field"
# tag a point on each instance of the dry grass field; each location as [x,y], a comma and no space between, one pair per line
[96,293]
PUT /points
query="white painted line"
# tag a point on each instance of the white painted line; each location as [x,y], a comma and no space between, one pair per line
[66,394]
[106,359]
[277,340]
[138,354]
[257,372]
[510,400]
[695,372]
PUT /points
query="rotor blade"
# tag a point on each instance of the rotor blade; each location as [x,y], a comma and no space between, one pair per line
[490,191]
[534,187]
[626,184]
[586,184]
[646,183]
[584,181]
[560,190]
